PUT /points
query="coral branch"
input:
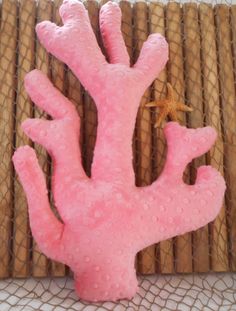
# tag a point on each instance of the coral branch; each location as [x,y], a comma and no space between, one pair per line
[183,208]
[40,213]
[110,18]
[75,43]
[173,215]
[57,136]
[116,89]
[152,58]
[194,142]
[49,98]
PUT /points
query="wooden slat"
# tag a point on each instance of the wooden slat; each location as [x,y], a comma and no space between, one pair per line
[8,40]
[58,79]
[183,243]
[157,25]
[194,98]
[126,26]
[74,93]
[21,245]
[219,245]
[90,110]
[232,214]
[44,12]
[233,29]
[98,33]
[176,78]
[143,130]
[101,2]
[228,100]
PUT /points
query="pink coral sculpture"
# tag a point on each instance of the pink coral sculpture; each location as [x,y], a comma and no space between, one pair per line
[106,218]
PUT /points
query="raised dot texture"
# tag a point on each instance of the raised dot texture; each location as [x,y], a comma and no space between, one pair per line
[102,209]
[162,208]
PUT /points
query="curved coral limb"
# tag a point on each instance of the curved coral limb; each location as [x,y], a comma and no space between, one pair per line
[40,214]
[152,58]
[181,208]
[48,98]
[110,20]
[192,142]
[57,136]
[54,134]
[74,43]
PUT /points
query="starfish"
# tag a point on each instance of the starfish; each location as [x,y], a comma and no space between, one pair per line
[169,106]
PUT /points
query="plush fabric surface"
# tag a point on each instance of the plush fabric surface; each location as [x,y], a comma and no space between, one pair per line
[106,219]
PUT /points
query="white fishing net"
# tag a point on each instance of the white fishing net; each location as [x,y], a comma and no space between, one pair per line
[191,272]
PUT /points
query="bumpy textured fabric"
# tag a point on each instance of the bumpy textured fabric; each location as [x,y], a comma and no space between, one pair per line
[106,219]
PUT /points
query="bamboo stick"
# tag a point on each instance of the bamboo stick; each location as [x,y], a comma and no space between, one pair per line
[102,2]
[21,243]
[74,93]
[90,110]
[233,29]
[8,41]
[127,32]
[195,119]
[219,245]
[228,99]
[126,26]
[143,131]
[232,222]
[183,243]
[44,12]
[58,79]
[176,78]
[98,34]
[157,25]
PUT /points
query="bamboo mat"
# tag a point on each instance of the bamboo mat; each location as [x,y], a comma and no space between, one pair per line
[202,71]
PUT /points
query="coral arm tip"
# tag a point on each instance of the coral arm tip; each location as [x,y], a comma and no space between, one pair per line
[47,97]
[110,25]
[42,30]
[46,229]
[75,44]
[72,10]
[152,58]
[184,145]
